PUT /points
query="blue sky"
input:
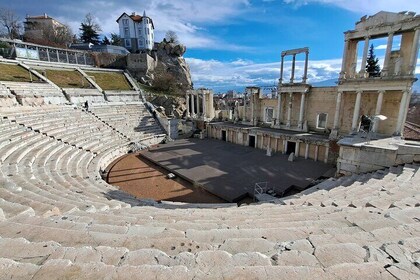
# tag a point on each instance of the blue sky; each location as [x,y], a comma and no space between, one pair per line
[235,43]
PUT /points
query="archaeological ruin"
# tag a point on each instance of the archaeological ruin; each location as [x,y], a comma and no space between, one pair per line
[310,183]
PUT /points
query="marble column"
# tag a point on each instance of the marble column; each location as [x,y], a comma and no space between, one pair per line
[337,111]
[281,69]
[364,58]
[284,146]
[198,104]
[356,112]
[387,54]
[307,151]
[344,62]
[289,110]
[279,109]
[188,104]
[204,106]
[316,153]
[292,77]
[192,105]
[277,144]
[414,52]
[297,148]
[326,154]
[401,113]
[301,110]
[305,70]
[252,109]
[378,109]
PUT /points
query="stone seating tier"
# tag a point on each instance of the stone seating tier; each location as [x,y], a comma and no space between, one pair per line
[58,219]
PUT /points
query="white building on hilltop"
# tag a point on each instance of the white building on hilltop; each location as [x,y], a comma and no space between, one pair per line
[136,32]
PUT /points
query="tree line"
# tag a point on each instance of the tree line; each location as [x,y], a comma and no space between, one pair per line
[12,27]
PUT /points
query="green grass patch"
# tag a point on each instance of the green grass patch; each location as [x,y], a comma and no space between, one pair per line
[14,73]
[110,81]
[67,79]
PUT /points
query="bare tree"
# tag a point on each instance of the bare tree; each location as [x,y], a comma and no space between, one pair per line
[10,23]
[171,37]
[89,20]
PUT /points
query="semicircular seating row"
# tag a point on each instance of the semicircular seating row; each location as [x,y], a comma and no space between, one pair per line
[58,219]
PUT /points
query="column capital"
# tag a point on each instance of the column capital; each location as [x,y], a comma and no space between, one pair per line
[391,33]
[366,37]
[381,91]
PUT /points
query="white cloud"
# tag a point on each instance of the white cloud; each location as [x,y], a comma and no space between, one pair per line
[363,6]
[241,73]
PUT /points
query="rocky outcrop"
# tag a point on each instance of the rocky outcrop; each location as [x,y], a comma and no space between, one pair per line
[169,105]
[170,60]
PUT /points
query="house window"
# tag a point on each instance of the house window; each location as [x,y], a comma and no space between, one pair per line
[321,121]
[127,43]
[125,21]
[139,31]
[126,32]
[269,112]
[140,42]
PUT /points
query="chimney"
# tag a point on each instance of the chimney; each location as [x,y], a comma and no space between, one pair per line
[45,15]
[133,13]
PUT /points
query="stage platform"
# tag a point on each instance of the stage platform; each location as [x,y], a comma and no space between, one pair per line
[230,171]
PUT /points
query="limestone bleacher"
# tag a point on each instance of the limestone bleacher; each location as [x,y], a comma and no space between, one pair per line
[131,119]
[122,95]
[59,219]
[81,95]
[35,93]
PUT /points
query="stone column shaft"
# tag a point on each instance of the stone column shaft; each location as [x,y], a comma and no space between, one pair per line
[279,108]
[307,151]
[284,146]
[292,77]
[414,52]
[337,110]
[188,104]
[281,69]
[356,112]
[297,148]
[365,54]
[204,106]
[345,55]
[198,105]
[192,105]
[305,70]
[316,153]
[401,113]
[301,110]
[326,154]
[378,109]
[289,110]
[387,54]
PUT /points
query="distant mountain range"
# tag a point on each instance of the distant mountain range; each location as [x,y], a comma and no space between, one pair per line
[332,82]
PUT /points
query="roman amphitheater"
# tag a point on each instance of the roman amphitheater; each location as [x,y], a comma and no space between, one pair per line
[63,122]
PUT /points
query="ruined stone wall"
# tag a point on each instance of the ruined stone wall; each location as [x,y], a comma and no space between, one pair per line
[320,100]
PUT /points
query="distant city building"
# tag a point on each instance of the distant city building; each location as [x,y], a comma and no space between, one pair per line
[35,26]
[136,32]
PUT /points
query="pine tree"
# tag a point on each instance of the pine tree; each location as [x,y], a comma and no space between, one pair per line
[372,64]
[90,30]
[105,41]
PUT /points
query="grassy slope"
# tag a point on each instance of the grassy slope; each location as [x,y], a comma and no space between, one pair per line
[110,81]
[15,73]
[67,79]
